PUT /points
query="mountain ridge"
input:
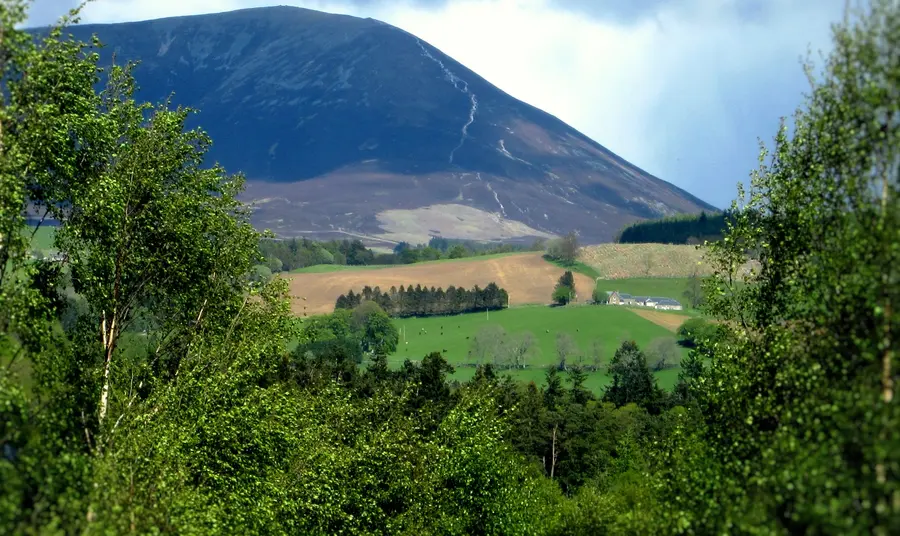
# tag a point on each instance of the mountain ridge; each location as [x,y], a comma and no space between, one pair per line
[344,119]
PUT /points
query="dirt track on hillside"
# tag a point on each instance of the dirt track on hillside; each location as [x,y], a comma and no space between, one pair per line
[527,277]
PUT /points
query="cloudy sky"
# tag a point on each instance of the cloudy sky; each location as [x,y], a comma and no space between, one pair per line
[682,88]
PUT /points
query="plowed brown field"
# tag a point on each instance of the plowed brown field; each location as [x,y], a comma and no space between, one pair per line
[526,277]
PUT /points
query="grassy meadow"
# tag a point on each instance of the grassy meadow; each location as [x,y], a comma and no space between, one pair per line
[664,287]
[611,325]
[42,239]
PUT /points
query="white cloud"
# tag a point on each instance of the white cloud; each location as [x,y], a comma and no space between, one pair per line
[683,90]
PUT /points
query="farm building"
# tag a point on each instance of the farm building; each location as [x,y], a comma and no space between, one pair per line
[620,298]
[668,304]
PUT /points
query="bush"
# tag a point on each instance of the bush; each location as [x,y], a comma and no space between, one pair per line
[695,330]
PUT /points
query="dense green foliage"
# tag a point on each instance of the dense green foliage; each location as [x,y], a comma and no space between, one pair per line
[419,301]
[680,229]
[365,329]
[564,290]
[168,399]
[287,255]
[697,331]
[804,397]
[295,253]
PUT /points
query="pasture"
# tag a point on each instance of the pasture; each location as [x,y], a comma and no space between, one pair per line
[42,240]
[670,320]
[452,335]
[527,277]
[667,287]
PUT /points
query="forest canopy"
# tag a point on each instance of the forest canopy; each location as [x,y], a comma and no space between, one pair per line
[681,229]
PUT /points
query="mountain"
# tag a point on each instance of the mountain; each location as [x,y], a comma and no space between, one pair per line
[351,126]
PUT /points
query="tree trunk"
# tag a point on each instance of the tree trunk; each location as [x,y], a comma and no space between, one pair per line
[109,343]
[553,453]
[887,376]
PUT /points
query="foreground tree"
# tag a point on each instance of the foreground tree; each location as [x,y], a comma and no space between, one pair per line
[149,226]
[803,398]
[145,233]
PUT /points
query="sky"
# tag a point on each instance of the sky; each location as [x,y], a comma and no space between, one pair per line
[684,89]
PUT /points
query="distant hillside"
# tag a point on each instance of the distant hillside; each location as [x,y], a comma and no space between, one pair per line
[352,127]
[621,261]
[681,229]
[618,261]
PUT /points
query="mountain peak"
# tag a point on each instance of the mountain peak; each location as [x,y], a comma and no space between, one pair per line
[346,125]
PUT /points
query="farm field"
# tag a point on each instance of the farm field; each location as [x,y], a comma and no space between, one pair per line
[670,320]
[667,287]
[526,276]
[43,238]
[619,261]
[609,324]
[628,261]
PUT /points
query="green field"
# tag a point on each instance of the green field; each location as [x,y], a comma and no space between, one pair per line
[664,287]
[328,268]
[325,268]
[611,325]
[43,238]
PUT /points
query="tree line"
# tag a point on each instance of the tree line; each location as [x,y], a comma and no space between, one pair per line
[294,253]
[680,229]
[493,345]
[284,255]
[182,396]
[424,301]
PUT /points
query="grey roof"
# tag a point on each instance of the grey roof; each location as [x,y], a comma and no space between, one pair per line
[660,301]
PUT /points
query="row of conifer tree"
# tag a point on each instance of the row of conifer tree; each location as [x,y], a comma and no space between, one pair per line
[424,301]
